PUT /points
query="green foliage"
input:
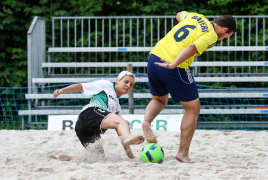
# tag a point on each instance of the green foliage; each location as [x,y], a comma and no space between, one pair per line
[16,17]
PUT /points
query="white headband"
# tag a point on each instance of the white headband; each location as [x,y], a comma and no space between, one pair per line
[125,73]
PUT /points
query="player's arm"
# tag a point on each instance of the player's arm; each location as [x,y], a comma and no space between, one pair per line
[184,55]
[68,89]
[178,16]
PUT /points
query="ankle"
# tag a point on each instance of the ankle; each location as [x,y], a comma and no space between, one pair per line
[145,124]
[183,159]
[184,152]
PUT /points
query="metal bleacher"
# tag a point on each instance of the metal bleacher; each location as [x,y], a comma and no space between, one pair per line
[84,49]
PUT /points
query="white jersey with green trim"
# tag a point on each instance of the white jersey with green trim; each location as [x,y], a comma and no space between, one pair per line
[103,95]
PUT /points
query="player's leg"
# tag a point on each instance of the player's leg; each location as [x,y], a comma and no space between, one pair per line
[63,157]
[183,89]
[79,131]
[113,121]
[188,124]
[159,96]
[156,105]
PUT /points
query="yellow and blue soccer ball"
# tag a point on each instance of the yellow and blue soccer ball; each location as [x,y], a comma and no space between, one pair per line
[152,153]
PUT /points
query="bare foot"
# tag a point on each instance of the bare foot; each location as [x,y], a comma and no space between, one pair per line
[136,140]
[148,133]
[183,159]
[63,157]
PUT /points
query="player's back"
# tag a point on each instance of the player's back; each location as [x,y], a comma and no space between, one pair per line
[196,29]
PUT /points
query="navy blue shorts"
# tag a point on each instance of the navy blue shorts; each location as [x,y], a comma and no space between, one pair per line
[178,82]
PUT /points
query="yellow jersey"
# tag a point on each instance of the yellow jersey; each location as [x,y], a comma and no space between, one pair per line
[193,28]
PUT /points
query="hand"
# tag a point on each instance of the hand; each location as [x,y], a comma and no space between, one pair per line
[165,64]
[57,93]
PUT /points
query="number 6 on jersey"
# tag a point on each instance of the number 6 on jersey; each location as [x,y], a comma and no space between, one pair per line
[185,32]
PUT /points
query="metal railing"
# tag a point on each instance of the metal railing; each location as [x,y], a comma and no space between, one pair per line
[250,32]
[146,31]
[133,31]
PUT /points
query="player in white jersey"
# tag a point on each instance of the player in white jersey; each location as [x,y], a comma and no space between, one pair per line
[103,112]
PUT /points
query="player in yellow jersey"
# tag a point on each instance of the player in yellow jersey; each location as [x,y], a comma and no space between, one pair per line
[168,71]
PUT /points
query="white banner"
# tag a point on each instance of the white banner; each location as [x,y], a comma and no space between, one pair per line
[161,122]
[61,122]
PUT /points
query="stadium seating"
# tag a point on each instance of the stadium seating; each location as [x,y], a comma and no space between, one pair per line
[41,72]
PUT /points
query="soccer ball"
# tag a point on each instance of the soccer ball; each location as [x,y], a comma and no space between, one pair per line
[152,153]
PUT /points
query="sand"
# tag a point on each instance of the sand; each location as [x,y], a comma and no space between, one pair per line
[31,154]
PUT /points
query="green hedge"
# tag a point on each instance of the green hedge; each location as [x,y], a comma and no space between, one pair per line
[16,17]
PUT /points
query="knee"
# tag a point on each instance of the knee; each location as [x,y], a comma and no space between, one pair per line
[124,122]
[194,110]
[198,108]
[127,122]
[162,101]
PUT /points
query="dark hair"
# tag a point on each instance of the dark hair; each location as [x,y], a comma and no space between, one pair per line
[226,21]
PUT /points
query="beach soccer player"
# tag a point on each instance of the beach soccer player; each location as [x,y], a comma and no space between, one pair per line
[168,71]
[103,112]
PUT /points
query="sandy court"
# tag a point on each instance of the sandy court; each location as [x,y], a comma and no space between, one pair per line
[228,155]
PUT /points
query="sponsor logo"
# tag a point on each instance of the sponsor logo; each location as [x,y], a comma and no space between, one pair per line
[101,110]
[111,97]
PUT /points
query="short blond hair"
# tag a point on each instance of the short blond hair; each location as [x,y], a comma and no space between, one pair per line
[125,73]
